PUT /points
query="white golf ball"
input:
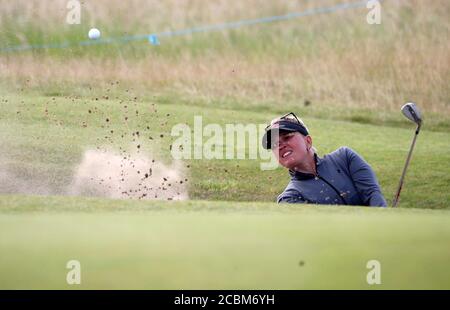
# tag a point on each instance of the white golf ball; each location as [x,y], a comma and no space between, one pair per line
[94,34]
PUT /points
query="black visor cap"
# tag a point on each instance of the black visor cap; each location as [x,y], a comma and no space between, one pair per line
[280,127]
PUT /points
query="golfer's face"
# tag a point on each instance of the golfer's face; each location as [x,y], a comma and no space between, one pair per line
[290,149]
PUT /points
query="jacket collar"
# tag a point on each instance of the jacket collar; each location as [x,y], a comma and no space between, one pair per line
[305,176]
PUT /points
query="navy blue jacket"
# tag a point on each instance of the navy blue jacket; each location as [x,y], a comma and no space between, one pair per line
[343,178]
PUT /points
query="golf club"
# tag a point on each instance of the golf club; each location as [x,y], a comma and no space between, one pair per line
[412,112]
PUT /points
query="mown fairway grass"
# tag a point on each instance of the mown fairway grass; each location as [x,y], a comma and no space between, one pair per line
[45,147]
[218,245]
[345,78]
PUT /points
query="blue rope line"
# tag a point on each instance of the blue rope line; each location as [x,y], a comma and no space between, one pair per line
[208,28]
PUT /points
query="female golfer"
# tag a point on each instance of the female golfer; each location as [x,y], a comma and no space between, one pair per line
[341,177]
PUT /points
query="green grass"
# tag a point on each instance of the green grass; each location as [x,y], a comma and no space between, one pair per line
[347,69]
[202,243]
[47,147]
[229,235]
[218,245]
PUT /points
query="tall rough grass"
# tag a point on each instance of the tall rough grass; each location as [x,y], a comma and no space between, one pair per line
[332,60]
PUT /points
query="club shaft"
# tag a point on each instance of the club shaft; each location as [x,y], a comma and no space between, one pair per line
[400,185]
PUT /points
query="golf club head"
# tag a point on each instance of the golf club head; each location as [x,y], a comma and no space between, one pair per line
[412,112]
